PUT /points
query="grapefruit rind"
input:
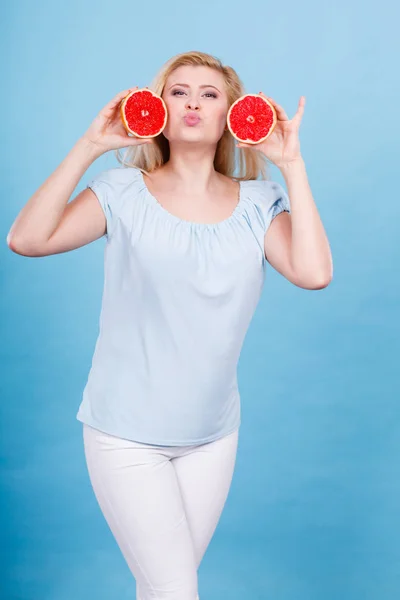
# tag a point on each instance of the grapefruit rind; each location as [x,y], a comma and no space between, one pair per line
[248,140]
[125,121]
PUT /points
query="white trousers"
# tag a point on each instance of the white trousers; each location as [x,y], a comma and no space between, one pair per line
[162,504]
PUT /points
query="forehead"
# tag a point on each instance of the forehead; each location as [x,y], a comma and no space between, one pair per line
[195,75]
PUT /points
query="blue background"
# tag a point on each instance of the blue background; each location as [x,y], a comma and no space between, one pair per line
[313,510]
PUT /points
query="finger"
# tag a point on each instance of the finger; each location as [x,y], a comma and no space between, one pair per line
[281,114]
[244,145]
[300,110]
[140,141]
[119,97]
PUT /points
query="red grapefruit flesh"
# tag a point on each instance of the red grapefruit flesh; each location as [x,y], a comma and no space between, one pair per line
[144,113]
[251,119]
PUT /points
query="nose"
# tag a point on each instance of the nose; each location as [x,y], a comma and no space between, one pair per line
[192,104]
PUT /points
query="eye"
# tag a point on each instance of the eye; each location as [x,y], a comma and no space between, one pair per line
[212,94]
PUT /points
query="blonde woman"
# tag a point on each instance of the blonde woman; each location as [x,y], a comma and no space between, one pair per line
[186,250]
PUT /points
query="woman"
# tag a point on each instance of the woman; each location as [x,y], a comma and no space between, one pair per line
[184,267]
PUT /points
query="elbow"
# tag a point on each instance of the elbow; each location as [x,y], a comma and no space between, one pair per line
[11,243]
[313,282]
[18,247]
[320,286]
[321,282]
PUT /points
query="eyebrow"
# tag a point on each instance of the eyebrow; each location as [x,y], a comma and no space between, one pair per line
[186,86]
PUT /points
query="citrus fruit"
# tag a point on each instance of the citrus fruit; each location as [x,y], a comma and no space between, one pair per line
[144,113]
[251,119]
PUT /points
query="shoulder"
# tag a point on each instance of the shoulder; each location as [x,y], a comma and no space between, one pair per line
[115,188]
[262,187]
[267,198]
[264,192]
[116,176]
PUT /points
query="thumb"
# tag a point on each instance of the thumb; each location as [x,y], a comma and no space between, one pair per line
[134,141]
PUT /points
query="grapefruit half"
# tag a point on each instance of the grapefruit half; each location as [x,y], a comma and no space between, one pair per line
[144,113]
[251,119]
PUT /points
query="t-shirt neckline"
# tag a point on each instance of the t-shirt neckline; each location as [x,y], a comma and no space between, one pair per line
[196,224]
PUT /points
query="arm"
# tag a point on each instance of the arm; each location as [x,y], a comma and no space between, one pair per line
[47,224]
[296,244]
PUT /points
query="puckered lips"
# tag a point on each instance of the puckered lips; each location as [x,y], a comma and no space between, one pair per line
[191,118]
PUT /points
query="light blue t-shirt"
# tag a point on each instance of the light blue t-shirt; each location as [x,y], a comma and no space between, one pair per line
[177,301]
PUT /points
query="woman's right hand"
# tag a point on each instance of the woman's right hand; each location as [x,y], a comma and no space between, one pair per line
[107,132]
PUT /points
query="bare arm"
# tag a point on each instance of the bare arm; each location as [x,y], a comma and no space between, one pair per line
[296,244]
[48,223]
[81,221]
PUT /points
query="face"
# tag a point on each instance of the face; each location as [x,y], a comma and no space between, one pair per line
[200,92]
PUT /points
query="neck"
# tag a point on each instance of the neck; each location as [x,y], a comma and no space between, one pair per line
[191,170]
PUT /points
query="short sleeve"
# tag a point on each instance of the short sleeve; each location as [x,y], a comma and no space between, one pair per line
[103,186]
[273,200]
[112,188]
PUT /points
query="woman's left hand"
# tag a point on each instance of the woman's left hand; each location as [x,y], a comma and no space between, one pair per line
[283,145]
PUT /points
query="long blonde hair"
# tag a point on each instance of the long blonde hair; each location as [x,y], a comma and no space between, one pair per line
[148,157]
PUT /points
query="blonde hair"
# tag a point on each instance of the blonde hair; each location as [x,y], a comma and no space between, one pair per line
[148,157]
